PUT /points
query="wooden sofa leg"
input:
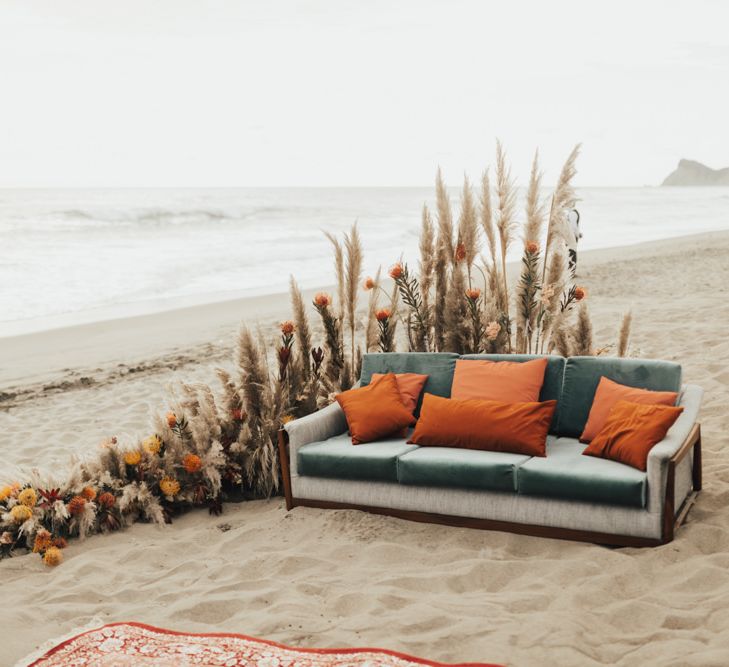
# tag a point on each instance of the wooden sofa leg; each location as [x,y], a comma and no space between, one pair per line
[669,505]
[696,470]
[283,456]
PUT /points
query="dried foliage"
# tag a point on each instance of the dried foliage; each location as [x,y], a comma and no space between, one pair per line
[212,446]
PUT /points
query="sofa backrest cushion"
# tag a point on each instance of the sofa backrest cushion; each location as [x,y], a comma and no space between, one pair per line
[438,366]
[582,375]
[552,387]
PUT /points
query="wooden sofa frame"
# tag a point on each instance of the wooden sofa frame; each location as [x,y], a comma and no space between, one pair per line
[671,518]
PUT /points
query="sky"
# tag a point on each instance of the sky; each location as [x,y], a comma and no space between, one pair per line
[100,93]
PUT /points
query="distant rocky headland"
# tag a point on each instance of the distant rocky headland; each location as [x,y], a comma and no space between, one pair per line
[690,172]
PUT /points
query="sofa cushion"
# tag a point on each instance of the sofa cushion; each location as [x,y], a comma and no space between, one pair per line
[552,387]
[565,473]
[582,375]
[438,366]
[461,468]
[338,457]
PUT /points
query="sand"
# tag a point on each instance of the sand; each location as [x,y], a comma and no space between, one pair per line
[339,578]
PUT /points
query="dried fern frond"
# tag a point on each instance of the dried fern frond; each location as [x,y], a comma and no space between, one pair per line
[353,276]
[624,334]
[534,208]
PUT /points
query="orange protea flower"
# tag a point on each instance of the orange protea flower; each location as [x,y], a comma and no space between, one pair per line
[77,505]
[52,556]
[169,486]
[132,457]
[42,541]
[152,444]
[580,293]
[107,500]
[21,513]
[287,327]
[171,419]
[369,283]
[192,463]
[383,314]
[396,271]
[473,293]
[28,497]
[59,542]
[322,299]
[89,493]
[532,247]
[460,252]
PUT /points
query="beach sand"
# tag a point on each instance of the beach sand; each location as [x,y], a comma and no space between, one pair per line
[339,578]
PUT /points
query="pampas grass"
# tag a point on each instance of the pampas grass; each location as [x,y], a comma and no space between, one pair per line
[534,208]
[303,332]
[505,222]
[582,334]
[468,228]
[353,276]
[371,333]
[624,334]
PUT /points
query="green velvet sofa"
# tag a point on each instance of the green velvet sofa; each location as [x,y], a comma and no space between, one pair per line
[563,495]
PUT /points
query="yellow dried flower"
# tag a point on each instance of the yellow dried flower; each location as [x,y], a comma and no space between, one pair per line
[169,486]
[191,463]
[53,556]
[28,497]
[152,444]
[42,541]
[21,513]
[287,418]
[6,492]
[77,505]
[132,457]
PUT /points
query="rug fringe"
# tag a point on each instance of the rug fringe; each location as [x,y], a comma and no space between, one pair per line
[29,659]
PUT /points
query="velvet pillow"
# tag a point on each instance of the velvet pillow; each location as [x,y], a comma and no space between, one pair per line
[630,432]
[410,386]
[505,381]
[609,393]
[375,411]
[520,428]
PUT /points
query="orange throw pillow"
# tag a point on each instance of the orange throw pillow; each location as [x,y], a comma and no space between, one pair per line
[519,428]
[631,431]
[375,411]
[609,393]
[505,381]
[410,386]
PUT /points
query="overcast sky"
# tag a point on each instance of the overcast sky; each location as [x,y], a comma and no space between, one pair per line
[237,93]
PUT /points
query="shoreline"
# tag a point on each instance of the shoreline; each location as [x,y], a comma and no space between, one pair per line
[61,358]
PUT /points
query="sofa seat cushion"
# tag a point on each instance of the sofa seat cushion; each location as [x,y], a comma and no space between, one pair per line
[461,468]
[338,457]
[566,473]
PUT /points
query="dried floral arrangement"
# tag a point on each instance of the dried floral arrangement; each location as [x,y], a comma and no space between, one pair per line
[214,447]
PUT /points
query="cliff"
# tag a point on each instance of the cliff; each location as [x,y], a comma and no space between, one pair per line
[695,173]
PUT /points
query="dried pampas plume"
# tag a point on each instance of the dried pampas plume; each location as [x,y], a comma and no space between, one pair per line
[468,227]
[303,332]
[353,248]
[624,334]
[582,334]
[534,209]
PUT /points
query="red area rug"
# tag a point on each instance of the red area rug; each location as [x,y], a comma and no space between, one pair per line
[127,644]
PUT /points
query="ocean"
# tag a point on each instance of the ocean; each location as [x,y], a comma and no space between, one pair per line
[72,256]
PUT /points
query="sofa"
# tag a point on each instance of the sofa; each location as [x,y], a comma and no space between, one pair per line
[563,495]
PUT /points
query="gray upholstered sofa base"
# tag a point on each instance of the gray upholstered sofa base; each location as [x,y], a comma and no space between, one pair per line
[545,517]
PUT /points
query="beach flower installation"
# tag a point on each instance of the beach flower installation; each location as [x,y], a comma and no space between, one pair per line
[210,446]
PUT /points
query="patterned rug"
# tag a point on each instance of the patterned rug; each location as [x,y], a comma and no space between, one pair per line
[127,644]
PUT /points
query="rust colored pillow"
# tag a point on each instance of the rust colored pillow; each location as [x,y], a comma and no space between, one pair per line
[375,411]
[609,393]
[410,386]
[519,428]
[505,381]
[631,431]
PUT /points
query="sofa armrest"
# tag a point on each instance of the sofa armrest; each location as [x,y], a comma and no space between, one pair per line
[318,426]
[660,456]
